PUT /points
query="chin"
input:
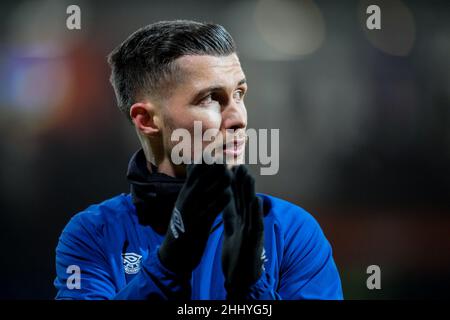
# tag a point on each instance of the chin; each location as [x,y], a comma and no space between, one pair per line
[236,162]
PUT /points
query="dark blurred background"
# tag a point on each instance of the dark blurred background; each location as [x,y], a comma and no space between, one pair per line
[364,119]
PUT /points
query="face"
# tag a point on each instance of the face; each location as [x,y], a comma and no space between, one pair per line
[211,90]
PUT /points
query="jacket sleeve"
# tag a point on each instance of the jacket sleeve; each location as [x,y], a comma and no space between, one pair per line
[263,289]
[308,270]
[80,246]
[307,267]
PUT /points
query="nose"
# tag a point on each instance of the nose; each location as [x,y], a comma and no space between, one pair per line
[234,116]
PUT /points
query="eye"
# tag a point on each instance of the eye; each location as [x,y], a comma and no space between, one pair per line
[239,94]
[206,100]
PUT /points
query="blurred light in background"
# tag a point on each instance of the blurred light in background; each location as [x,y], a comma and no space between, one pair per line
[36,84]
[293,28]
[397,34]
[276,30]
[36,29]
[35,65]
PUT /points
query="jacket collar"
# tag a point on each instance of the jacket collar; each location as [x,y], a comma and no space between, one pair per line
[153,194]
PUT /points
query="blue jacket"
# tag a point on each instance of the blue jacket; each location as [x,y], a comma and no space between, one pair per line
[118,258]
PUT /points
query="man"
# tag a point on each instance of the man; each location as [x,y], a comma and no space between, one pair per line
[197,231]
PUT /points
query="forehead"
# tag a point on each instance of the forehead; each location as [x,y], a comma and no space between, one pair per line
[200,70]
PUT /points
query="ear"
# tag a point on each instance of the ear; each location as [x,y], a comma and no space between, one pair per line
[146,118]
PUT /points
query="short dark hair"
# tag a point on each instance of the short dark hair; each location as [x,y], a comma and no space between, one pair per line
[144,63]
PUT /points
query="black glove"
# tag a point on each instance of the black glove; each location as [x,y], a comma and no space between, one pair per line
[243,239]
[203,196]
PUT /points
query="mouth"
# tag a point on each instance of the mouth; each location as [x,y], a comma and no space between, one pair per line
[234,148]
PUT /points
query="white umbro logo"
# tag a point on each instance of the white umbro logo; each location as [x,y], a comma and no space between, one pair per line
[131,262]
[264,258]
[176,223]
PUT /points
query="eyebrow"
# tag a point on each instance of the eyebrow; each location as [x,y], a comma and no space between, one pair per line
[214,88]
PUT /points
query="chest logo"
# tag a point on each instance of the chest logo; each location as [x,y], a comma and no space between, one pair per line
[131,262]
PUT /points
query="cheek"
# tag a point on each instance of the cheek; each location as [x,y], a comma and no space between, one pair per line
[244,112]
[209,118]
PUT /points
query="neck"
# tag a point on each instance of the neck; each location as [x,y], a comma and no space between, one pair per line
[154,153]
[167,167]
